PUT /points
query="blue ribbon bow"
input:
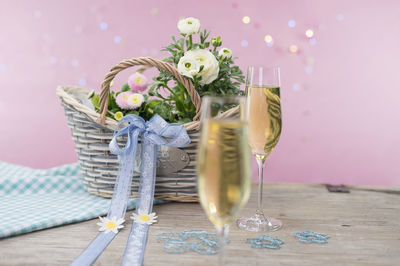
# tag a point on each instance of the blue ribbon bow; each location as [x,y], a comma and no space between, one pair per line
[154,132]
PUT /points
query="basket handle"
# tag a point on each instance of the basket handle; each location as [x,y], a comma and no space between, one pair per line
[146,62]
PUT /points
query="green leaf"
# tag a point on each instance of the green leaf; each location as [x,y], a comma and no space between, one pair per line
[95,101]
[112,104]
[163,110]
[125,87]
[184,120]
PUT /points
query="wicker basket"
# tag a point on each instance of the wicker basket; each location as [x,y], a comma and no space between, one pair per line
[93,131]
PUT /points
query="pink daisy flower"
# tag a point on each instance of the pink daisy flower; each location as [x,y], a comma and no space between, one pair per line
[122,99]
[137,82]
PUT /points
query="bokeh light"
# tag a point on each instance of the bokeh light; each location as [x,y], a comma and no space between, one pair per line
[309,33]
[117,39]
[53,60]
[292,23]
[268,38]
[340,17]
[37,13]
[293,48]
[144,51]
[154,11]
[75,62]
[244,43]
[312,41]
[296,87]
[103,25]
[246,19]
[46,37]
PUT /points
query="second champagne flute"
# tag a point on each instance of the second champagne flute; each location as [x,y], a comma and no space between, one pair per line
[223,163]
[265,124]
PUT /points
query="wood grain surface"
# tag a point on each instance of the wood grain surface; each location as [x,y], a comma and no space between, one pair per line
[364,229]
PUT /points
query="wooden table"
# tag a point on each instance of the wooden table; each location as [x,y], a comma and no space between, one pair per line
[364,229]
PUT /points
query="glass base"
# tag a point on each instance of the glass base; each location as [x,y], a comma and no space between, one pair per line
[258,223]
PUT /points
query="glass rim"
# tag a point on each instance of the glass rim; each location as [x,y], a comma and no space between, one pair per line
[208,101]
[266,67]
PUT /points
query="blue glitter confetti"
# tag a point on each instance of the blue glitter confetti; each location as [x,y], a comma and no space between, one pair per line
[265,241]
[291,23]
[75,62]
[103,26]
[244,43]
[117,39]
[312,41]
[340,17]
[197,240]
[311,237]
[308,69]
[270,44]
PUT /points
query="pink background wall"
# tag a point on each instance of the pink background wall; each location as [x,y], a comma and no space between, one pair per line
[340,92]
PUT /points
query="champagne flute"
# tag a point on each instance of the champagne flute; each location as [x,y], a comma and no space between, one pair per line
[265,124]
[224,170]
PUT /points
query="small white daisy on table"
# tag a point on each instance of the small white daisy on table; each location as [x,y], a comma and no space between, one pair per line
[110,225]
[142,217]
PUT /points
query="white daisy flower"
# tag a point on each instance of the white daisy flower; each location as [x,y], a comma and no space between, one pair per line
[144,218]
[135,100]
[110,225]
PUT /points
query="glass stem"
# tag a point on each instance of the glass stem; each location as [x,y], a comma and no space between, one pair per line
[260,163]
[222,232]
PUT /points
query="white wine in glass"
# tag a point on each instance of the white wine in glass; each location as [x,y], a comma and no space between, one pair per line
[265,125]
[224,173]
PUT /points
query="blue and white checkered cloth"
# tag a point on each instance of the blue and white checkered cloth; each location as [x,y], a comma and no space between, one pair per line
[32,199]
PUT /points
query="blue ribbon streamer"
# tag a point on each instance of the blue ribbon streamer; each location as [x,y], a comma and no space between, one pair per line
[154,132]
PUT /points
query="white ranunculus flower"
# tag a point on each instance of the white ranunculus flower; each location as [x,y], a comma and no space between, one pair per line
[225,53]
[189,26]
[188,66]
[210,65]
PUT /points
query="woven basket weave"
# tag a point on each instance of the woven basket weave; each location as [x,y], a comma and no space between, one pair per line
[92,132]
